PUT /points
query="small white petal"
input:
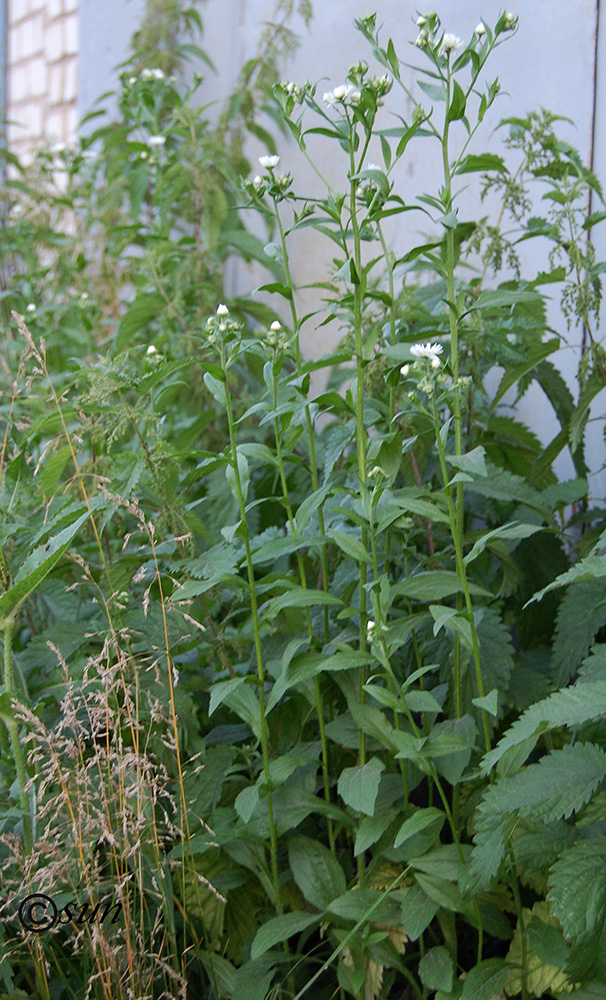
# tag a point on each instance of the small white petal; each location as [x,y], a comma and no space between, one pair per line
[157,140]
[151,350]
[31,307]
[405,370]
[269,162]
[275,325]
[222,310]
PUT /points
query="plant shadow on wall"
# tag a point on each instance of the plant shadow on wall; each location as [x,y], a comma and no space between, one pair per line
[312,687]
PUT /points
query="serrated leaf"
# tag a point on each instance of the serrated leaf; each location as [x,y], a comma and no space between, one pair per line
[577,888]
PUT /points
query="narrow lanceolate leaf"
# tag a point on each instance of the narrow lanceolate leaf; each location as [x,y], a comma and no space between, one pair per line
[577,888]
[280,929]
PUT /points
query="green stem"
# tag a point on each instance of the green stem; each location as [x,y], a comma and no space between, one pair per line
[361,443]
[315,483]
[257,635]
[462,574]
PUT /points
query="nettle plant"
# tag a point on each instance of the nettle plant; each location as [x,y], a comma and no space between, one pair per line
[343,723]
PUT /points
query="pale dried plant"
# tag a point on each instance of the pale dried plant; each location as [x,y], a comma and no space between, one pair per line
[105,823]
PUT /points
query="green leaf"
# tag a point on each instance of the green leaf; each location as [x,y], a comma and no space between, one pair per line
[489,703]
[418,910]
[577,888]
[504,297]
[434,586]
[317,873]
[359,786]
[593,386]
[280,929]
[510,530]
[422,820]
[370,830]
[457,104]
[485,980]
[42,561]
[252,981]
[140,312]
[351,546]
[298,597]
[482,163]
[436,969]
[473,462]
[570,707]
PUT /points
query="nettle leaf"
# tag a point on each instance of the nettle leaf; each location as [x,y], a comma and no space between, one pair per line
[560,784]
[436,969]
[359,786]
[586,569]
[582,612]
[42,561]
[317,873]
[280,929]
[577,888]
[570,707]
[511,530]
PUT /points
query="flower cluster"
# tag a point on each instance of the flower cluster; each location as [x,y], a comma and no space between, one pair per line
[428,362]
[277,185]
[220,325]
[276,337]
[152,74]
[345,94]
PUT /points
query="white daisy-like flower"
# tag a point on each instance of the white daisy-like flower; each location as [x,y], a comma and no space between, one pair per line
[84,296]
[342,94]
[143,154]
[156,140]
[429,351]
[30,307]
[147,74]
[132,81]
[405,370]
[269,162]
[222,310]
[374,166]
[480,30]
[257,181]
[276,326]
[510,17]
[421,21]
[157,73]
[450,43]
[151,350]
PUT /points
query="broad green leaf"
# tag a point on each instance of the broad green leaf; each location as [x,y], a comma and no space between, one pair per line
[371,829]
[472,462]
[280,929]
[317,873]
[485,980]
[361,904]
[499,298]
[140,312]
[436,969]
[359,786]
[418,910]
[246,802]
[577,888]
[489,703]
